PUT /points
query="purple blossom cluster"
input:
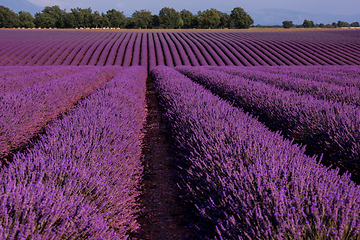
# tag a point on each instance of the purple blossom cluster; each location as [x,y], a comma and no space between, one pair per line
[244,181]
[24,113]
[328,128]
[81,179]
[303,85]
[28,48]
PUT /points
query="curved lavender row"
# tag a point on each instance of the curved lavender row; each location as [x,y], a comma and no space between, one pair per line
[319,90]
[232,56]
[245,182]
[59,56]
[110,59]
[41,57]
[24,113]
[180,57]
[50,57]
[242,55]
[14,49]
[209,47]
[92,153]
[14,58]
[152,55]
[205,53]
[42,74]
[189,54]
[303,54]
[106,51]
[119,55]
[144,51]
[129,51]
[32,58]
[93,58]
[244,50]
[329,128]
[166,51]
[226,56]
[87,50]
[326,52]
[173,51]
[277,56]
[278,48]
[67,56]
[200,58]
[135,60]
[26,54]
[338,51]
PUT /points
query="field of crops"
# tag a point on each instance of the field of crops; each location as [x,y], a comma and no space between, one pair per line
[264,128]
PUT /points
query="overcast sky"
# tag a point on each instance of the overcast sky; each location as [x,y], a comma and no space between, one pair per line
[345,7]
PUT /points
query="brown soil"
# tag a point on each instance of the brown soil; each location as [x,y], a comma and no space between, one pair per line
[162,216]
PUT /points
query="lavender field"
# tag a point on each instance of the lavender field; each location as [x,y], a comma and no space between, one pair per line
[263,131]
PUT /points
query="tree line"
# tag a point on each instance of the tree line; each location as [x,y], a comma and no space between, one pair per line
[168,18]
[310,24]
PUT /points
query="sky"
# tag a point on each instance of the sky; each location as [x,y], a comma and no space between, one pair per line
[344,7]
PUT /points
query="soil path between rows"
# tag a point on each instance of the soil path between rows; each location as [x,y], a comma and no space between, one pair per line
[161,214]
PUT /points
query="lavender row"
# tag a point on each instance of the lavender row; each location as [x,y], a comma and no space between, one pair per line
[319,90]
[329,128]
[197,48]
[25,113]
[81,179]
[340,75]
[244,181]
[38,75]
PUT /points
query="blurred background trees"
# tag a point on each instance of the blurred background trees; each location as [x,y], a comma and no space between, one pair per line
[168,18]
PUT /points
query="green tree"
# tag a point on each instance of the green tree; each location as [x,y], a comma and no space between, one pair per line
[321,25]
[308,24]
[155,22]
[240,18]
[170,18]
[355,24]
[82,16]
[50,17]
[105,21]
[141,19]
[116,18]
[334,25]
[210,18]
[69,20]
[287,24]
[343,24]
[226,21]
[26,20]
[8,18]
[189,19]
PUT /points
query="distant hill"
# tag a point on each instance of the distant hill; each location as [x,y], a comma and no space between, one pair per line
[21,5]
[277,16]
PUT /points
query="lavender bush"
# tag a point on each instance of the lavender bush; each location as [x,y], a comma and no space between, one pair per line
[25,113]
[81,179]
[319,90]
[246,182]
[329,128]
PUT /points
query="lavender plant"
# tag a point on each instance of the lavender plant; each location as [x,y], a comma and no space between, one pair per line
[246,182]
[329,128]
[81,179]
